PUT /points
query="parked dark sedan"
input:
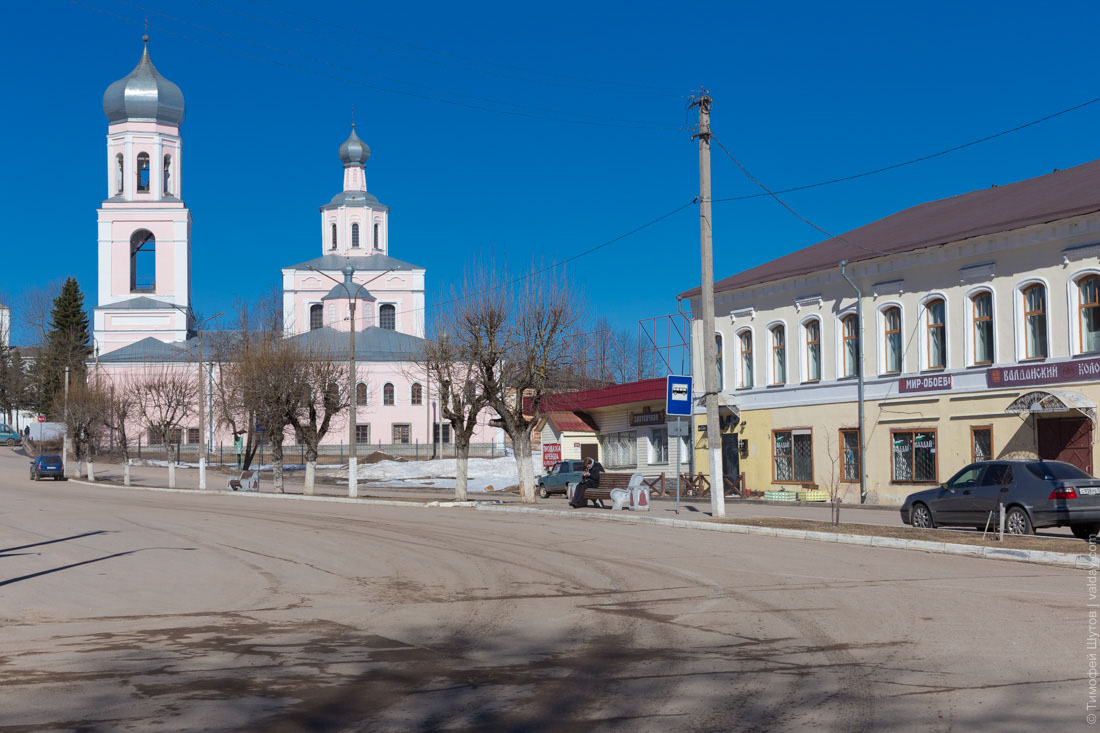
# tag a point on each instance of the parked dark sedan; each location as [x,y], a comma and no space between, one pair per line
[45,466]
[560,474]
[1035,494]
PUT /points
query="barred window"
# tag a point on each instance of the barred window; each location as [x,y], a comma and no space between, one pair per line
[793,455]
[316,316]
[981,444]
[849,455]
[620,449]
[914,455]
[387,317]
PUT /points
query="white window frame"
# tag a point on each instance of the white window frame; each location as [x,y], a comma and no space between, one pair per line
[922,331]
[838,340]
[968,333]
[721,354]
[740,376]
[1019,326]
[651,446]
[770,354]
[880,345]
[1073,298]
[804,350]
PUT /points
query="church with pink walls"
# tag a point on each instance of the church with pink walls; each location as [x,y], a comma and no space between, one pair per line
[144,316]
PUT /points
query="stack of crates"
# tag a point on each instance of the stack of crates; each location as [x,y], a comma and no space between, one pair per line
[813,495]
[780,495]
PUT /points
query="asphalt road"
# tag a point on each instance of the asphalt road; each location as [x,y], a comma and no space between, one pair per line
[129,610]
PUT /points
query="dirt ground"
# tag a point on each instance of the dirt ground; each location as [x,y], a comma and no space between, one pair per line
[958,536]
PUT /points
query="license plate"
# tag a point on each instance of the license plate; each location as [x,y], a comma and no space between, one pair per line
[1089,490]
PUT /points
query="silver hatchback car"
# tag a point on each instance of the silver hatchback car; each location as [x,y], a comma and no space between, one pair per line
[1035,493]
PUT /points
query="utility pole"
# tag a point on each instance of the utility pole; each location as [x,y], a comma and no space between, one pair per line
[710,351]
[202,408]
[65,442]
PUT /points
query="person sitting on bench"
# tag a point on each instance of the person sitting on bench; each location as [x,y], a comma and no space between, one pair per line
[590,480]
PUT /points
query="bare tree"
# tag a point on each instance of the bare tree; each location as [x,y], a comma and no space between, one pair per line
[320,377]
[255,322]
[520,346]
[448,362]
[271,387]
[34,312]
[166,396]
[82,411]
[119,410]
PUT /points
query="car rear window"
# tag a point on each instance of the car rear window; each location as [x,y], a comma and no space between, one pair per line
[1056,471]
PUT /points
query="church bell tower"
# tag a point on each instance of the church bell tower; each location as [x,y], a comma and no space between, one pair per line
[144,226]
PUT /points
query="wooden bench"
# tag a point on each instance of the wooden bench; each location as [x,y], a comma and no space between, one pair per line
[249,481]
[635,492]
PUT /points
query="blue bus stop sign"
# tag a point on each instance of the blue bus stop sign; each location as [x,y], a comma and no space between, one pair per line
[678,396]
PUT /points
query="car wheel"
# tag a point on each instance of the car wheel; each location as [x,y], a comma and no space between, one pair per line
[1085,531]
[920,516]
[1017,521]
[10,442]
[543,492]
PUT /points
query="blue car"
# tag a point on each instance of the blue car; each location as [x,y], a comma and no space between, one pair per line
[45,466]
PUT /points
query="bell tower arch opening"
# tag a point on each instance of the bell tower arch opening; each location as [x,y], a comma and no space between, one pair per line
[143,262]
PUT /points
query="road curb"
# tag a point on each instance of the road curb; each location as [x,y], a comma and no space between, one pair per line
[1043,557]
[436,503]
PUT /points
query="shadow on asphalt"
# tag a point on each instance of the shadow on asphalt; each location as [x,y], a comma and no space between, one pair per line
[85,562]
[62,539]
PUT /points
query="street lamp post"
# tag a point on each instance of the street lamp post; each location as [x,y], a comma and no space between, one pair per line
[353,458]
[202,407]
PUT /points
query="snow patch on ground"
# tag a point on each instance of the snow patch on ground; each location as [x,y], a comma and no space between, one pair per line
[440,473]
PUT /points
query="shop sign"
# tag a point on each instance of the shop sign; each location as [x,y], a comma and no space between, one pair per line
[645,418]
[551,454]
[924,384]
[1066,371]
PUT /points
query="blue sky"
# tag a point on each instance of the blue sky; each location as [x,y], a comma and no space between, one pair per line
[803,92]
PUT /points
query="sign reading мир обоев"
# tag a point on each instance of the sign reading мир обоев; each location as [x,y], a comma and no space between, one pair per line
[925,384]
[1066,371]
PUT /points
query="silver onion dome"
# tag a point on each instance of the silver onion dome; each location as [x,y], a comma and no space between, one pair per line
[144,95]
[354,151]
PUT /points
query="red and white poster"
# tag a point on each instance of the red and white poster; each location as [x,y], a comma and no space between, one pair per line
[551,454]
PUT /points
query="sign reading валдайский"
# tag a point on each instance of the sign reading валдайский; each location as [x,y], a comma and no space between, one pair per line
[1066,371]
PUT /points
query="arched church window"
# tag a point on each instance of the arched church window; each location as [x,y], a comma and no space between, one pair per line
[119,173]
[355,235]
[167,175]
[143,262]
[316,316]
[361,394]
[377,240]
[417,394]
[387,394]
[333,237]
[387,317]
[143,172]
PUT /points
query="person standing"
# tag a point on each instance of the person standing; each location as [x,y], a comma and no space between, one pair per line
[590,479]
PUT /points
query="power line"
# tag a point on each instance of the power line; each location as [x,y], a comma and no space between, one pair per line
[921,159]
[781,202]
[563,262]
[518,111]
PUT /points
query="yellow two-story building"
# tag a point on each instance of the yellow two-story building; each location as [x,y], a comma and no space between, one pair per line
[979,338]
